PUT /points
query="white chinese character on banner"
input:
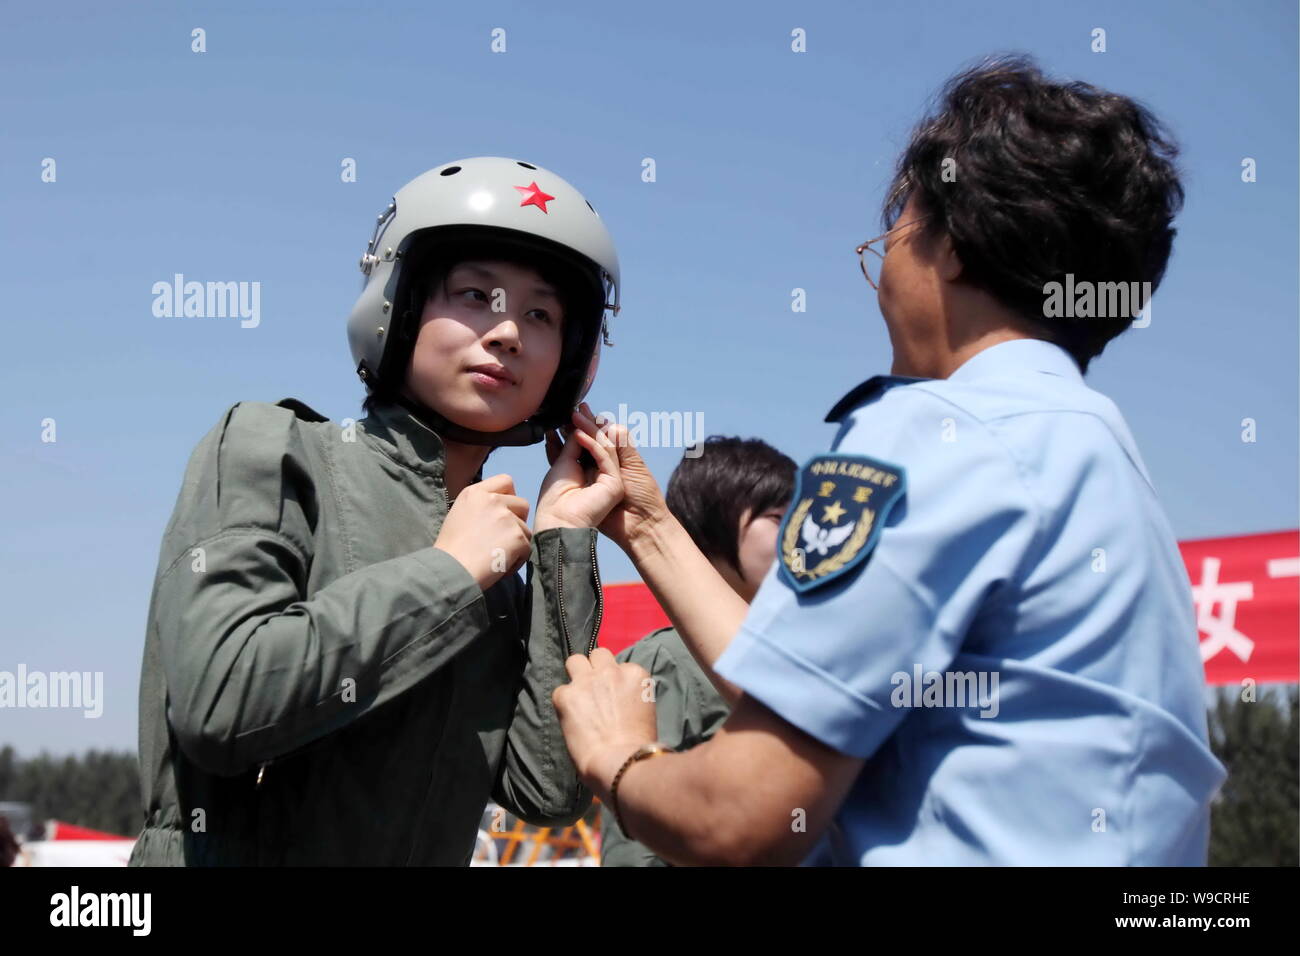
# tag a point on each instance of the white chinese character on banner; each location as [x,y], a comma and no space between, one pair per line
[1221,631]
[1284,568]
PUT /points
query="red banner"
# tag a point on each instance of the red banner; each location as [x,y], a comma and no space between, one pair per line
[1246,591]
[1247,596]
[631,612]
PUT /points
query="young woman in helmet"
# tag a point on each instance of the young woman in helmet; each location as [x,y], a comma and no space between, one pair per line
[342,666]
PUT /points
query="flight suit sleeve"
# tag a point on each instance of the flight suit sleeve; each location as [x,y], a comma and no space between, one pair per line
[254,669]
[616,848]
[684,719]
[562,604]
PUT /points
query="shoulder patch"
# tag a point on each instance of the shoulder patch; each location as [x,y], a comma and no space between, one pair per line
[840,503]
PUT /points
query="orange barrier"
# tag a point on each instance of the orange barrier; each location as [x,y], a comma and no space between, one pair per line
[522,844]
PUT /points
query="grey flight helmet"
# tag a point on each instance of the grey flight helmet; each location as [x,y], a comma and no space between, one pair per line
[482,207]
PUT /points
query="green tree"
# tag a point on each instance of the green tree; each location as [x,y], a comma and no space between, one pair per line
[100,790]
[1253,821]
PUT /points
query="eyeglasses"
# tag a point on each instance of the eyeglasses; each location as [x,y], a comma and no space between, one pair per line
[863,249]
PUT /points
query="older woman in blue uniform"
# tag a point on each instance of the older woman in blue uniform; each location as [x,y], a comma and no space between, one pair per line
[977,645]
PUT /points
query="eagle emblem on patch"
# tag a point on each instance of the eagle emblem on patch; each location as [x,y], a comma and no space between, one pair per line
[840,503]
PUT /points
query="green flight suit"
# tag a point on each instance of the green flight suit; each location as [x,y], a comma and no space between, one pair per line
[688,711]
[320,685]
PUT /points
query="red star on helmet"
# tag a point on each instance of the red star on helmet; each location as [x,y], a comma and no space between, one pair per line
[534,196]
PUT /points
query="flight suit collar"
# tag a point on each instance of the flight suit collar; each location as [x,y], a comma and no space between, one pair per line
[405,439]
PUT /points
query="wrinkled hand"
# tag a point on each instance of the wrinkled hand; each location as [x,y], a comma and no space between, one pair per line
[607,711]
[573,496]
[642,504]
[486,530]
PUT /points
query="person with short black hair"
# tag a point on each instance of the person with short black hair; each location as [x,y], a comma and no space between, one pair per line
[732,483]
[730,498]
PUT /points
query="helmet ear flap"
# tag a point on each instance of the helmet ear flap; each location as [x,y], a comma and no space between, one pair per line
[581,339]
[404,328]
[413,288]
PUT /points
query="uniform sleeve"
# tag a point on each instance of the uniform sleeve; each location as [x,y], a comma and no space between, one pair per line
[254,669]
[538,782]
[706,710]
[829,660]
[688,711]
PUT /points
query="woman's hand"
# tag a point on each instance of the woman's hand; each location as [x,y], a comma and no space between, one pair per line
[573,496]
[606,712]
[642,504]
[486,530]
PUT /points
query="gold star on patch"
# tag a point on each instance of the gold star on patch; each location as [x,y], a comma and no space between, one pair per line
[832,512]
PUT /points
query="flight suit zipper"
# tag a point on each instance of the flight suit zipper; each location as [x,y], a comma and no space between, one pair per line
[564,620]
[446,701]
[264,828]
[600,599]
[559,593]
[305,748]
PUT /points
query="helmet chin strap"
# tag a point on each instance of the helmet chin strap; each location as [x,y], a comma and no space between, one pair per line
[525,433]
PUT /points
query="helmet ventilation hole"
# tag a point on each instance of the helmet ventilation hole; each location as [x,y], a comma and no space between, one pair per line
[450,171]
[525,165]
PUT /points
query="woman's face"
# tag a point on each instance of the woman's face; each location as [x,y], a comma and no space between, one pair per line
[757,549]
[488,345]
[911,285]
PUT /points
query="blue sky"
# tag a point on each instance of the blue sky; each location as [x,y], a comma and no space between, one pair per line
[771,167]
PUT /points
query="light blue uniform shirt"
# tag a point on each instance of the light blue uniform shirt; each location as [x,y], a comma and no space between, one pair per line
[1028,544]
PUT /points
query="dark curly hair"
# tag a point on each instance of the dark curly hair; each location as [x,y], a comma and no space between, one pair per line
[1051,178]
